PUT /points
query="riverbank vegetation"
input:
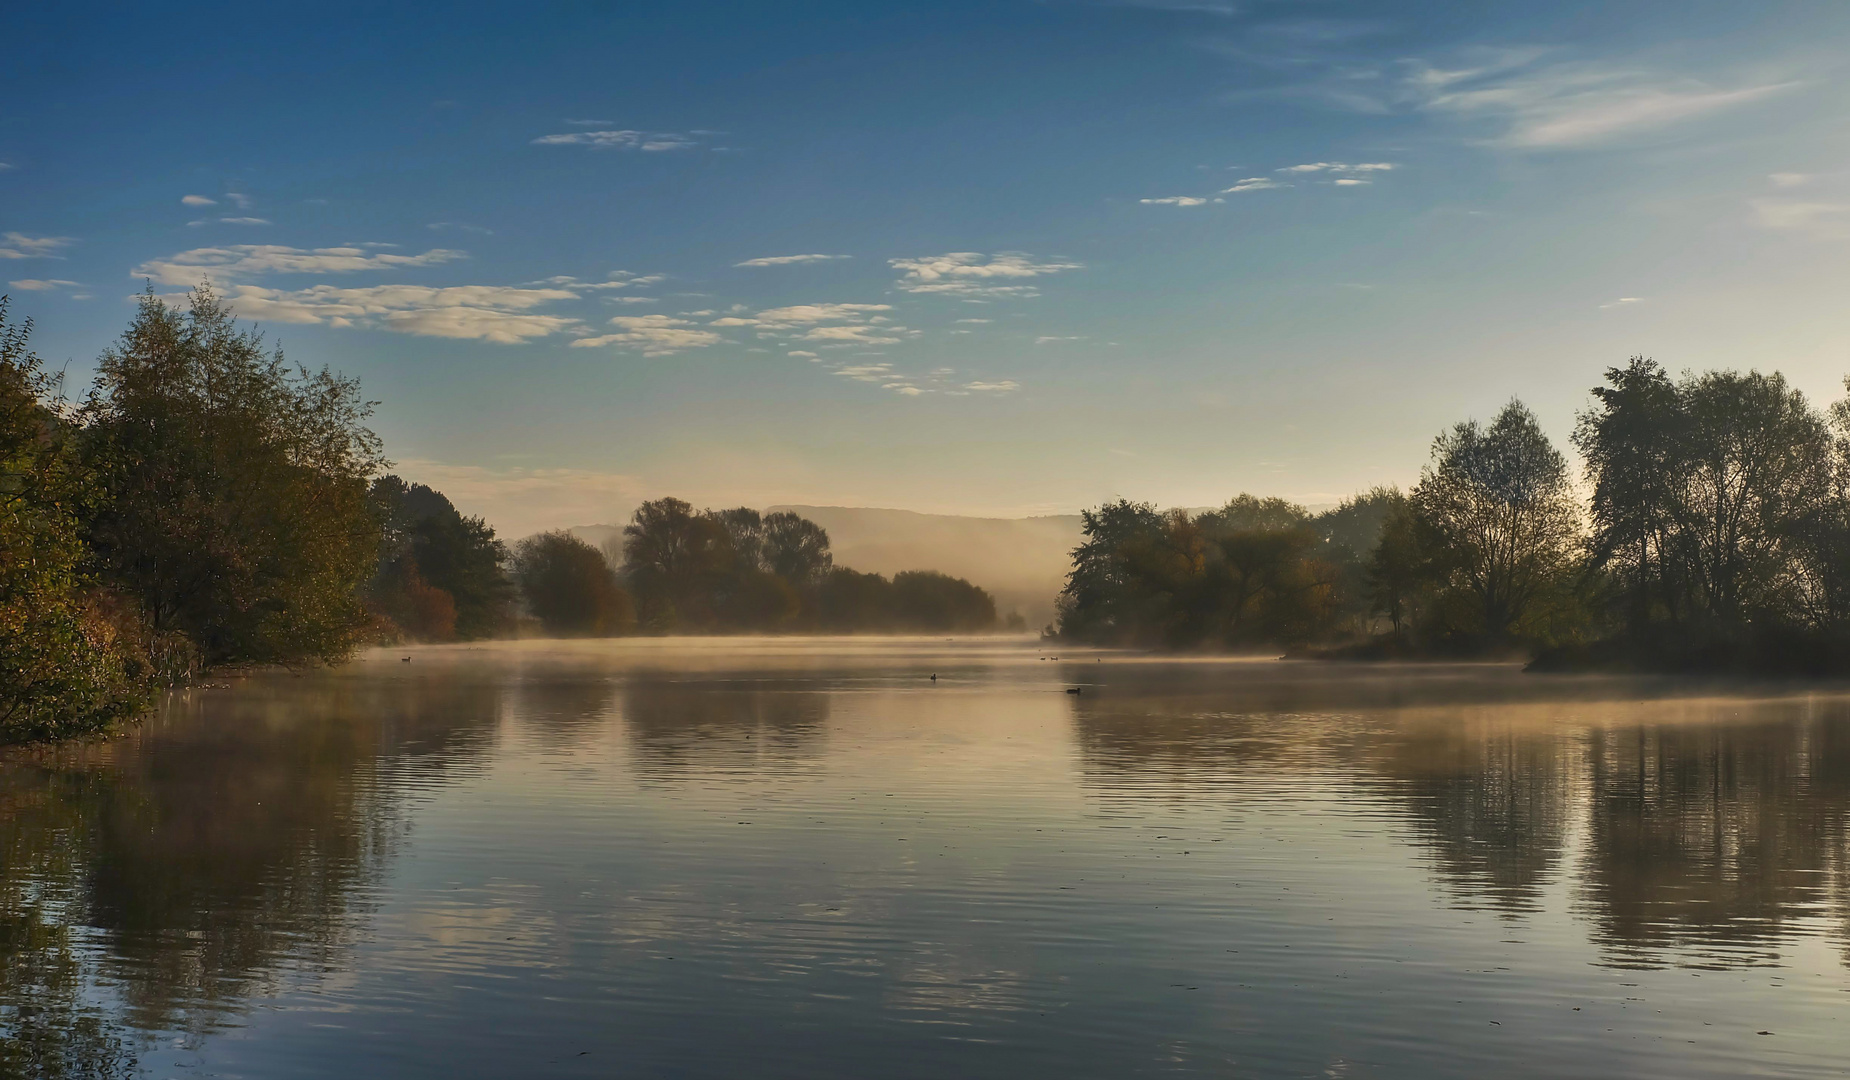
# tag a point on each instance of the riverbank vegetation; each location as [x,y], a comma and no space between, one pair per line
[1711,531]
[206,504]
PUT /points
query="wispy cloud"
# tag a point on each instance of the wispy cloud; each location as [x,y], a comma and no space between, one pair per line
[1822,220]
[1530,105]
[1789,179]
[44,284]
[1004,386]
[808,314]
[239,199]
[790,260]
[1521,97]
[589,123]
[972,275]
[20,246]
[500,314]
[1253,183]
[1623,301]
[243,221]
[197,200]
[618,279]
[652,335]
[1177,200]
[622,139]
[829,325]
[248,260]
[1052,339]
[459,226]
[1339,168]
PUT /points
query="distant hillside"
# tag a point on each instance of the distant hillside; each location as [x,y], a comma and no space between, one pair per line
[1021,561]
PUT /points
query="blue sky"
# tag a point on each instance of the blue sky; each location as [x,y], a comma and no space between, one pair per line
[999,258]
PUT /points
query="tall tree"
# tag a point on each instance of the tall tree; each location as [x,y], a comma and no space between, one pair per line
[65,667]
[238,510]
[673,560]
[1632,442]
[1499,504]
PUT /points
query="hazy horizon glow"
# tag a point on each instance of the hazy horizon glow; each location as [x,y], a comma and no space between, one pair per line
[994,259]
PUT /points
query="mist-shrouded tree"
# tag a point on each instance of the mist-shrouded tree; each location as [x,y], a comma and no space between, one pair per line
[1252,573]
[673,561]
[796,549]
[237,510]
[1250,513]
[1353,527]
[65,665]
[1498,508]
[1399,576]
[1103,600]
[441,575]
[570,588]
[931,601]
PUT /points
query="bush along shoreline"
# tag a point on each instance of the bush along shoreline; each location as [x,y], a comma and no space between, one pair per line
[206,506]
[1710,532]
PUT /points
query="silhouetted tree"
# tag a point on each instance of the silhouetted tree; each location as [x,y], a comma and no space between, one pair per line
[570,588]
[673,559]
[1498,505]
[428,549]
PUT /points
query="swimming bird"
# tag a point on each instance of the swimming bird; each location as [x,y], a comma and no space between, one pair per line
[934,677]
[1075,689]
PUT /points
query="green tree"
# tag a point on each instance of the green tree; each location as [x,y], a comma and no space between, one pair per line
[238,511]
[570,588]
[65,665]
[1501,510]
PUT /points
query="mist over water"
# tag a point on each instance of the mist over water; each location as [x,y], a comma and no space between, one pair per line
[801,857]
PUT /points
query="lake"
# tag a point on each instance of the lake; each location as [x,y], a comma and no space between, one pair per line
[805,858]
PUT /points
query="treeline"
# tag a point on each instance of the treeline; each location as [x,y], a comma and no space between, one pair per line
[1712,533]
[678,570]
[205,503]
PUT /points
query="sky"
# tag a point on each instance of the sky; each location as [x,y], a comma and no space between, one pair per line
[1001,258]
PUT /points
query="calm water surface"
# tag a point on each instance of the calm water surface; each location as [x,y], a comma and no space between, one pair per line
[805,859]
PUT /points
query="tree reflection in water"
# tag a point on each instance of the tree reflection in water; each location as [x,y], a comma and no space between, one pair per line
[1704,831]
[152,882]
[722,726]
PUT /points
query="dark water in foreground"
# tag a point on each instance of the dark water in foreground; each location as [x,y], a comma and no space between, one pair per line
[790,859]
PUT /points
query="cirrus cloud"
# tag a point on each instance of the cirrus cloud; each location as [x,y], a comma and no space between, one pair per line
[20,246]
[790,260]
[248,260]
[652,335]
[494,313]
[973,275]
